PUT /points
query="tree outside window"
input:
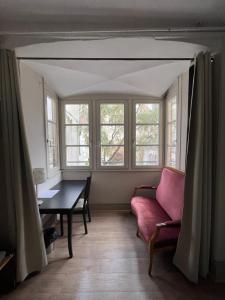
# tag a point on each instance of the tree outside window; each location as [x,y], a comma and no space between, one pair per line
[112,134]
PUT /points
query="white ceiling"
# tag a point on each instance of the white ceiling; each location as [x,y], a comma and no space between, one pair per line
[125,77]
[58,15]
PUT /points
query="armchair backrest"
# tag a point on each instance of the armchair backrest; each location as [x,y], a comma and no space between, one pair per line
[170,192]
[87,189]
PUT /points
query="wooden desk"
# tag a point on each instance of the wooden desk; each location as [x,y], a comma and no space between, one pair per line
[63,203]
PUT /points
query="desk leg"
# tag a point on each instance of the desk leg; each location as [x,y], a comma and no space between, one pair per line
[69,223]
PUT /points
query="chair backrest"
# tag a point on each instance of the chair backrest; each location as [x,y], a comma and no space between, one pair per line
[87,189]
[170,192]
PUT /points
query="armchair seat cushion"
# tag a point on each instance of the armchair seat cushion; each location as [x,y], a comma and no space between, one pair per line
[149,213]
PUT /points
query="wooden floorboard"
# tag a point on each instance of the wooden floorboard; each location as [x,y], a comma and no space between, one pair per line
[110,263]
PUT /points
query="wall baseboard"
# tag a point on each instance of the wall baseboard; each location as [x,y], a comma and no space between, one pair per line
[110,207]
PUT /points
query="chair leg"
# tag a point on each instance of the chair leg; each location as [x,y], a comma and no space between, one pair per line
[61,224]
[85,223]
[89,213]
[151,253]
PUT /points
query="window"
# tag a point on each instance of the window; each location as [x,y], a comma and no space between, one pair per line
[111,135]
[102,134]
[147,134]
[52,133]
[171,116]
[76,133]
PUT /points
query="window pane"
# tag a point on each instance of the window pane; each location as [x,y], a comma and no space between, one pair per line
[76,114]
[112,135]
[147,113]
[52,156]
[112,113]
[77,135]
[77,156]
[172,134]
[171,156]
[147,134]
[50,109]
[51,133]
[147,155]
[112,156]
[174,111]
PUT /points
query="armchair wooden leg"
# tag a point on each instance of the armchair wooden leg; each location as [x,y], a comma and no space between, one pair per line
[151,253]
[137,234]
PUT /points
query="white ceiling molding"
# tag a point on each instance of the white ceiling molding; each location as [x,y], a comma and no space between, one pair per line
[208,36]
[70,15]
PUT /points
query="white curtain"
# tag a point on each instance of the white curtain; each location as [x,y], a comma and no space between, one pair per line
[24,233]
[194,245]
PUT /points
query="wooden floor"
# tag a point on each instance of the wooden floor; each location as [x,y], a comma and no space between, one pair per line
[110,263]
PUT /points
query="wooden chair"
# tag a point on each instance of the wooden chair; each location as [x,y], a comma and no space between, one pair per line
[82,207]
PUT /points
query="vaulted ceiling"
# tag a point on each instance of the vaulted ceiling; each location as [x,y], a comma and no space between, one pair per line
[25,22]
[125,77]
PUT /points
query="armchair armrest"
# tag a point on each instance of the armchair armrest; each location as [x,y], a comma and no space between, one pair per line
[143,187]
[159,226]
[175,223]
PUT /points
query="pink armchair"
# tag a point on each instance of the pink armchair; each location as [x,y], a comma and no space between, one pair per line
[159,219]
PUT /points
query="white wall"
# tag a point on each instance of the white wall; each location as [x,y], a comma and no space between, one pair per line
[32,95]
[114,187]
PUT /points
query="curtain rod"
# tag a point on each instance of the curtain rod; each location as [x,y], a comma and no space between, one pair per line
[106,58]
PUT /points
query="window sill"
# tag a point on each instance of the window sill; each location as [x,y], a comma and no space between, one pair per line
[155,169]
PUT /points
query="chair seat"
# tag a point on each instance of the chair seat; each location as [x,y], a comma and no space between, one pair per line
[79,204]
[149,213]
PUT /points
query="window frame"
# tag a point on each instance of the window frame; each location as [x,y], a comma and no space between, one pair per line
[98,133]
[63,135]
[133,125]
[49,93]
[94,131]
